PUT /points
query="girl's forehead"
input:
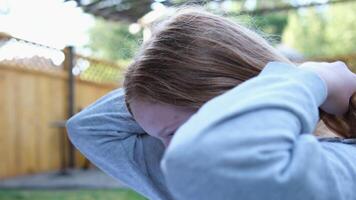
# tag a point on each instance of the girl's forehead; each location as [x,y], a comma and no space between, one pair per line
[158,118]
[153,117]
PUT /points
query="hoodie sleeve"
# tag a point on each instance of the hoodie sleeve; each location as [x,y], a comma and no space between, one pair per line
[109,137]
[255,142]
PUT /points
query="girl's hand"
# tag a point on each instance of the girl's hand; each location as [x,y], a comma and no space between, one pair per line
[340,81]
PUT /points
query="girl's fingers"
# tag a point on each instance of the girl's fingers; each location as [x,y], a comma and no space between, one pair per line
[340,81]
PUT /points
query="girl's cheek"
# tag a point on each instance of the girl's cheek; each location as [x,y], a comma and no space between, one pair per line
[166,141]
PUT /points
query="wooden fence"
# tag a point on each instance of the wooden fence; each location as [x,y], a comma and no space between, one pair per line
[33,100]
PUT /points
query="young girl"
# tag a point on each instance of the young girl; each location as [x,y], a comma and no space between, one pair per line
[210,110]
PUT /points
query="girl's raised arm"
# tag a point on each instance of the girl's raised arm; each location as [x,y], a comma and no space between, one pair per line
[255,142]
[108,136]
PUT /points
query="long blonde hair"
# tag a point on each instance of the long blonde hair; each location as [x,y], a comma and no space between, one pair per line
[194,56]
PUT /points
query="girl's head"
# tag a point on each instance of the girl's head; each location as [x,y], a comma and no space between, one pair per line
[191,57]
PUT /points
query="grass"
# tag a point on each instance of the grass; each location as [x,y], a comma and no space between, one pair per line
[110,194]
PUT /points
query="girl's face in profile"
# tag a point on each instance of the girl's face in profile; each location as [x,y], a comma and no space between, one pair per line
[160,120]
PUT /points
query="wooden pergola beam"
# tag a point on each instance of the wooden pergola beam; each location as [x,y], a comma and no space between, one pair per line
[130,11]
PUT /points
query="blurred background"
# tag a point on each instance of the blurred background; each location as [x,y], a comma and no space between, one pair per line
[58,56]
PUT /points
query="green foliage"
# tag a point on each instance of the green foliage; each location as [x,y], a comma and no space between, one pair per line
[329,31]
[269,26]
[341,32]
[272,24]
[110,41]
[113,41]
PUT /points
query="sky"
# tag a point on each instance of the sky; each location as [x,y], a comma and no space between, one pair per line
[51,22]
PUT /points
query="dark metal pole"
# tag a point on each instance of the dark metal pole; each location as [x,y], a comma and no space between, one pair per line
[70,59]
[63,147]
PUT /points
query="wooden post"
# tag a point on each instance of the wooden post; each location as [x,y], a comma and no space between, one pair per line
[68,65]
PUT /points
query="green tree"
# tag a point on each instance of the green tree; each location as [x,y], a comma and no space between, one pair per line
[272,24]
[328,31]
[113,41]
[341,29]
